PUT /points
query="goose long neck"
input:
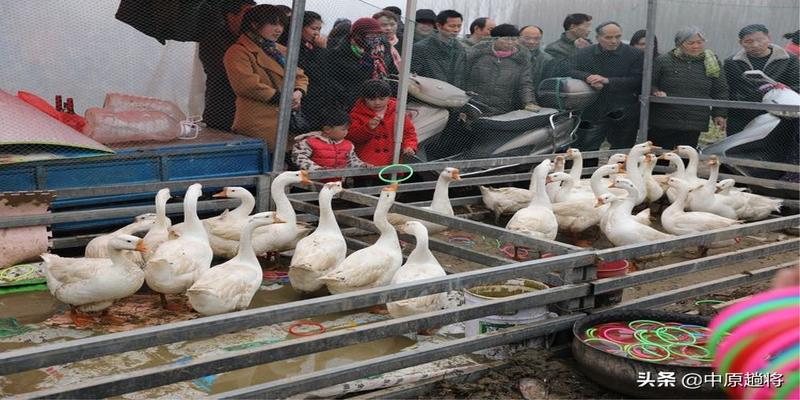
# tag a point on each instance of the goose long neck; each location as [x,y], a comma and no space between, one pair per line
[577,167]
[388,234]
[247,254]
[713,175]
[630,201]
[441,197]
[247,206]
[421,252]
[632,165]
[691,168]
[284,207]
[118,259]
[193,225]
[327,221]
[680,169]
[161,213]
[539,190]
[598,188]
[680,199]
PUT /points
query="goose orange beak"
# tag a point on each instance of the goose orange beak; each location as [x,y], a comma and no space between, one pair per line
[223,193]
[549,179]
[599,203]
[277,220]
[622,169]
[304,176]
[456,175]
[140,247]
[391,188]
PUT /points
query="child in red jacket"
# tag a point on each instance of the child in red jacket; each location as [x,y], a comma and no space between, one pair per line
[372,125]
[327,149]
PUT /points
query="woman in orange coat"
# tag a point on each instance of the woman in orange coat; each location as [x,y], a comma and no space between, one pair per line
[255,67]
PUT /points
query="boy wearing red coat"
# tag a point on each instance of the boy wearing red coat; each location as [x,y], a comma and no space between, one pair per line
[327,149]
[372,125]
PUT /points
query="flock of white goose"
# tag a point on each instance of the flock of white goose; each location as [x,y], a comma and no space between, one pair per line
[177,259]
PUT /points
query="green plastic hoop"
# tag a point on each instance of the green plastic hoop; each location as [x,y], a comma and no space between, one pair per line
[391,181]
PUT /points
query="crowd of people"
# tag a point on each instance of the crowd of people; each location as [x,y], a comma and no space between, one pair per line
[343,90]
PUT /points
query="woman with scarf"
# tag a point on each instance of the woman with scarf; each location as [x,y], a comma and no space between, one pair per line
[367,56]
[255,66]
[688,70]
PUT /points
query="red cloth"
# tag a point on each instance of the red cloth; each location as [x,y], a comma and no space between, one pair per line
[793,48]
[375,146]
[329,155]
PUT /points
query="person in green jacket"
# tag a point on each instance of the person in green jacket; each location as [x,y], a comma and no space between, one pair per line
[541,63]
[688,70]
[441,56]
[577,28]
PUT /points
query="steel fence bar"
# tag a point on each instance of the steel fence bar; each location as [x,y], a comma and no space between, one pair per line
[166,374]
[692,101]
[286,387]
[59,353]
[700,289]
[685,267]
[698,239]
[647,73]
[103,213]
[152,187]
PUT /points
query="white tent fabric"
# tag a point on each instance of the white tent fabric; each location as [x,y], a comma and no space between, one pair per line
[78,49]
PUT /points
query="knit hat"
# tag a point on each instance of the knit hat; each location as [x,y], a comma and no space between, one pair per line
[365,26]
[425,15]
[505,30]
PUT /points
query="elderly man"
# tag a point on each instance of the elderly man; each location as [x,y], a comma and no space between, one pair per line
[441,56]
[614,69]
[479,29]
[542,64]
[757,53]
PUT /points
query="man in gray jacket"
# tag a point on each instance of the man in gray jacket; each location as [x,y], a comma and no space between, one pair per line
[440,56]
[615,70]
[577,28]
[541,63]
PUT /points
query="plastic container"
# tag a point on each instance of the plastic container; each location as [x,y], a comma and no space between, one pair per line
[125,102]
[109,127]
[611,269]
[483,294]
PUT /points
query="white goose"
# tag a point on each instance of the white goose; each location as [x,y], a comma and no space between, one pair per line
[93,284]
[274,239]
[318,253]
[654,190]
[679,222]
[440,203]
[690,174]
[619,226]
[579,215]
[680,173]
[98,247]
[231,285]
[554,187]
[537,219]
[374,265]
[421,264]
[634,172]
[159,233]
[178,263]
[704,197]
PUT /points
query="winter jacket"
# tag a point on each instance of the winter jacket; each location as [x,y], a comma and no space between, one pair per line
[781,66]
[220,105]
[346,75]
[681,76]
[315,152]
[503,83]
[433,58]
[623,68]
[563,52]
[542,67]
[376,146]
[256,78]
[314,63]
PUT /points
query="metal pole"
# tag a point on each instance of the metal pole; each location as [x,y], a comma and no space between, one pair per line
[285,110]
[647,75]
[405,69]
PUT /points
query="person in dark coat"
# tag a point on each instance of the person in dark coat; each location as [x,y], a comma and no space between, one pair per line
[615,69]
[425,25]
[219,97]
[757,53]
[542,64]
[499,71]
[639,40]
[688,70]
[577,28]
[312,59]
[441,56]
[339,34]
[365,57]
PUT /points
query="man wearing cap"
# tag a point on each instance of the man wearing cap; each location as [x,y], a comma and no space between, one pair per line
[760,54]
[479,29]
[425,24]
[441,56]
[367,56]
[615,70]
